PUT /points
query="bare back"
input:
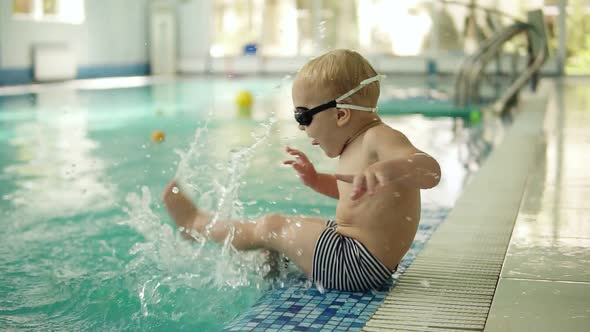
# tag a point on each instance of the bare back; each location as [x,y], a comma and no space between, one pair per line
[387,221]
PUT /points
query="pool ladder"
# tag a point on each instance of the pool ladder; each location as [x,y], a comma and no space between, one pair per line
[472,71]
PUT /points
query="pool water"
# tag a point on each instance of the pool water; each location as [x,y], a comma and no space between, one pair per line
[85,241]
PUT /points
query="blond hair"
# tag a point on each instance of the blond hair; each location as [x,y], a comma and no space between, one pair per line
[339,71]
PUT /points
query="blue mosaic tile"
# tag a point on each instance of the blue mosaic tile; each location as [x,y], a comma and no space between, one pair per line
[298,307]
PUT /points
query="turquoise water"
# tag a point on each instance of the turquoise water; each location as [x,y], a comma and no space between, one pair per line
[85,241]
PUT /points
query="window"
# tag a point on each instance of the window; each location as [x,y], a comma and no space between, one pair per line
[392,27]
[578,38]
[59,11]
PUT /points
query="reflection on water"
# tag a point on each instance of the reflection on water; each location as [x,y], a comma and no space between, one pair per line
[54,169]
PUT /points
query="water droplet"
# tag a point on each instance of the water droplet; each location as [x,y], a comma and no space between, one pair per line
[319,287]
[175,190]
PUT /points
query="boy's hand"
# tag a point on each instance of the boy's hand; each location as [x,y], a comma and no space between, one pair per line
[374,177]
[305,170]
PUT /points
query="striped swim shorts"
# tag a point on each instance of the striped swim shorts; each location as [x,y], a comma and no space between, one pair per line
[343,263]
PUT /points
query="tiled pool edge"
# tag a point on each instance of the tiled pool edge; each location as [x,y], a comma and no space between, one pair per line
[451,283]
[300,308]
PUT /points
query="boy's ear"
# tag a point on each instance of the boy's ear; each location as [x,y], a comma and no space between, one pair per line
[342,116]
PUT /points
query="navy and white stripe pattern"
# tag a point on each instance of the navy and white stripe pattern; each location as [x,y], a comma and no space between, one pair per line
[343,263]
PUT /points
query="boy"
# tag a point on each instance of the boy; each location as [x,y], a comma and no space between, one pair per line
[377,183]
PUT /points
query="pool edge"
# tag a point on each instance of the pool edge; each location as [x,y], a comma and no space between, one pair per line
[451,283]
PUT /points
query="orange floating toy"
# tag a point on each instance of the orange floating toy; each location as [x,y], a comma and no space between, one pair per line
[158,136]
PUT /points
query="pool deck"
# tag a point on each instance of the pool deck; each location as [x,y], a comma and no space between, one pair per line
[545,280]
[513,254]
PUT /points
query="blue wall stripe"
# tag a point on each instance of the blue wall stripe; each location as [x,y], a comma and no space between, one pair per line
[25,75]
[16,76]
[113,70]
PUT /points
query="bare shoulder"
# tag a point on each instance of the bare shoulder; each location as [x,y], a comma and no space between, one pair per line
[387,142]
[384,134]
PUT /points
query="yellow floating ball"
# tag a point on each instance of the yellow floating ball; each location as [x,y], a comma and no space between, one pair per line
[158,136]
[244,99]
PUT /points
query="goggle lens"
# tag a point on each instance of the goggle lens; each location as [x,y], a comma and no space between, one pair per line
[302,116]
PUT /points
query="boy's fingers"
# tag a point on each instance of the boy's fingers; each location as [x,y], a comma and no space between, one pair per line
[294,162]
[299,154]
[344,177]
[358,193]
[359,182]
[291,150]
[381,181]
[297,166]
[294,151]
[371,183]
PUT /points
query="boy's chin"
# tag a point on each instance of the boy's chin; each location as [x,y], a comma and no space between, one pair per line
[331,154]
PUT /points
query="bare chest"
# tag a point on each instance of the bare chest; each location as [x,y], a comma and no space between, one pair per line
[355,160]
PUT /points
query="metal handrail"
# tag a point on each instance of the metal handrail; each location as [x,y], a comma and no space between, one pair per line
[461,83]
[472,92]
[482,8]
[500,104]
[467,84]
[469,74]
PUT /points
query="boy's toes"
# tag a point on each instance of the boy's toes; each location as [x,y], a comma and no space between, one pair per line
[171,189]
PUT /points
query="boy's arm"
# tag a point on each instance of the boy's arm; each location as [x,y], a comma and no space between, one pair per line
[398,161]
[402,162]
[417,170]
[326,184]
[323,183]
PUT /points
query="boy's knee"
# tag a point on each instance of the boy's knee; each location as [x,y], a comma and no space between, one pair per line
[269,226]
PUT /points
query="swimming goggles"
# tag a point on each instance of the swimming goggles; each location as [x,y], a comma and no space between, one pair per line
[303,115]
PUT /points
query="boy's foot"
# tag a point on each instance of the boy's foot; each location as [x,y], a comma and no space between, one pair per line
[181,208]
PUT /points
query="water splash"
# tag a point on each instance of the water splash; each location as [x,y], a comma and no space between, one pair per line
[228,204]
[165,267]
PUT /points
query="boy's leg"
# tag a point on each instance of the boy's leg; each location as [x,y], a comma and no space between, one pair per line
[294,236]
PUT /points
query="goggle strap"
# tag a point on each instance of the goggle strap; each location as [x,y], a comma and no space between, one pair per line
[358,108]
[360,86]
